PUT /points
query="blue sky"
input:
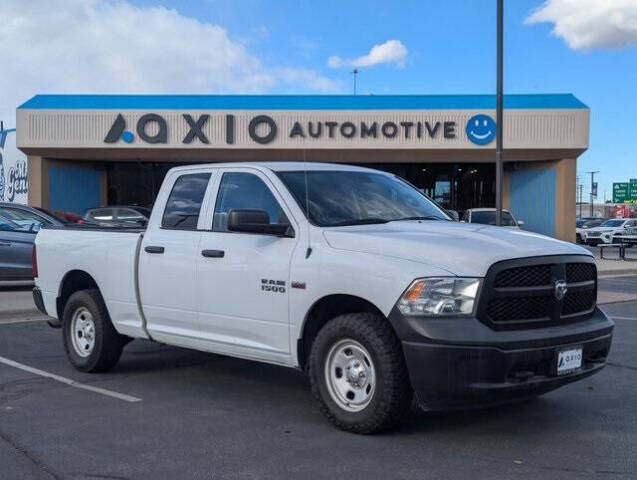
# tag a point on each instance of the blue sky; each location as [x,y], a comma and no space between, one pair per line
[451,47]
[283,46]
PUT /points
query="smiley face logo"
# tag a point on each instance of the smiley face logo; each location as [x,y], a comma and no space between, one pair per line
[480,129]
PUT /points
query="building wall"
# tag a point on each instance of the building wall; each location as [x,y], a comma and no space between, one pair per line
[63,185]
[542,194]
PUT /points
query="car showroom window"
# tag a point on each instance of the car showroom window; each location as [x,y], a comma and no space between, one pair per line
[245,191]
[184,202]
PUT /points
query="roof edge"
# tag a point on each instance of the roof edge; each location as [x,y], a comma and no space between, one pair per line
[300,102]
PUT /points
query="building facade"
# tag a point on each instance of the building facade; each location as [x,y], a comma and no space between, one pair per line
[89,150]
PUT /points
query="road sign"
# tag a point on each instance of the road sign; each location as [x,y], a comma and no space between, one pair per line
[594,190]
[633,190]
[621,192]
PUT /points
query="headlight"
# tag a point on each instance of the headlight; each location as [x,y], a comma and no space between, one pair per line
[439,297]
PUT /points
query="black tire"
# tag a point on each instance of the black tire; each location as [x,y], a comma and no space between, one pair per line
[108,344]
[392,393]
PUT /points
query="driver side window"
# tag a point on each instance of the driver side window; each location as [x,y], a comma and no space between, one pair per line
[245,191]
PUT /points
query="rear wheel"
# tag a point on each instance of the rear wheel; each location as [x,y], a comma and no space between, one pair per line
[91,342]
[358,373]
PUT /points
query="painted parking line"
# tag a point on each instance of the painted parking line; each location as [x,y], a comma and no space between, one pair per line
[68,381]
[623,318]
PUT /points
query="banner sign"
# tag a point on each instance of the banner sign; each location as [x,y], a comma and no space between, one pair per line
[13,170]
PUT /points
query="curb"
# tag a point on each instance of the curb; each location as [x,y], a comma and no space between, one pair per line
[617,273]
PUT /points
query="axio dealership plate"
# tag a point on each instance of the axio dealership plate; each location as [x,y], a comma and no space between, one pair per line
[569,360]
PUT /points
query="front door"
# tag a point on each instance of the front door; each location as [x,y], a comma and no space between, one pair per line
[16,247]
[243,282]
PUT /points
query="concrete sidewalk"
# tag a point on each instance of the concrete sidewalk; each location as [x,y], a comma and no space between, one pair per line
[16,305]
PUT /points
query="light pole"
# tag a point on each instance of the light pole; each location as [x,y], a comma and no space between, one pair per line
[355,73]
[499,118]
[592,174]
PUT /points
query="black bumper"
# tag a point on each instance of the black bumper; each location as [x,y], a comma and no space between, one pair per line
[461,363]
[37,299]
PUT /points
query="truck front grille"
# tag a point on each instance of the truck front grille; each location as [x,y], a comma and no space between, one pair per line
[526,293]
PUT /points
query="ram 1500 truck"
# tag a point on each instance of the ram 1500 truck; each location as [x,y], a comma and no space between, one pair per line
[350,274]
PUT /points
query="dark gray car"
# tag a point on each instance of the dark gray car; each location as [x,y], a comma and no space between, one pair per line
[16,245]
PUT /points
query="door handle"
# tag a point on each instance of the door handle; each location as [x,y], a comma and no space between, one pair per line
[5,244]
[153,249]
[213,253]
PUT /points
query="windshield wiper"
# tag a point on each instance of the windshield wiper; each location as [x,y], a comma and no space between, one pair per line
[362,221]
[426,217]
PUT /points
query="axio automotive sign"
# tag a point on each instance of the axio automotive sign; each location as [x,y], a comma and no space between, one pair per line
[152,128]
[13,170]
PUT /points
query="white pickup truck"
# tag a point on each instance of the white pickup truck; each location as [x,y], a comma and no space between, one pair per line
[348,273]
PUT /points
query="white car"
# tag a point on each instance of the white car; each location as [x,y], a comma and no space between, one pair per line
[486,216]
[610,231]
[348,274]
[582,227]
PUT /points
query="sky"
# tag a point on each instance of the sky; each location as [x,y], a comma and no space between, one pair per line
[584,47]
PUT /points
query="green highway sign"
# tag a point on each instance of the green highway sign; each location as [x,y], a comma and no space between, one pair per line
[621,192]
[633,190]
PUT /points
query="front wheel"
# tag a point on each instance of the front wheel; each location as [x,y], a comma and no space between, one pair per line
[358,373]
[91,342]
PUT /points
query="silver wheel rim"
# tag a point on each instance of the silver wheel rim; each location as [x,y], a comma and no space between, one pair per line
[350,375]
[83,332]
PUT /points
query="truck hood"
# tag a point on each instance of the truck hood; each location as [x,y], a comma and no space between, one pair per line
[462,249]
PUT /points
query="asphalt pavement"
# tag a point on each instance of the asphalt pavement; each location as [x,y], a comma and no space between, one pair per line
[166,412]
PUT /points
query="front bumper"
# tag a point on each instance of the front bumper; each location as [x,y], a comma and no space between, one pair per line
[469,365]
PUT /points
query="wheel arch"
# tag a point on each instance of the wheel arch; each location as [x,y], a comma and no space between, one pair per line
[325,309]
[73,281]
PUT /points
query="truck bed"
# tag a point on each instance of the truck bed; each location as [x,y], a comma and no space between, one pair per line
[108,254]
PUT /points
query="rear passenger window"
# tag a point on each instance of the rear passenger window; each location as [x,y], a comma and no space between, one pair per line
[184,202]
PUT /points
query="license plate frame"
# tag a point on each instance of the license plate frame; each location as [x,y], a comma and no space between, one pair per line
[568,360]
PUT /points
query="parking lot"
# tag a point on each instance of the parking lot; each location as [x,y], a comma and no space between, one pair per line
[166,412]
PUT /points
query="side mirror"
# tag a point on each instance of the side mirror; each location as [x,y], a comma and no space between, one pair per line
[256,221]
[520,223]
[454,215]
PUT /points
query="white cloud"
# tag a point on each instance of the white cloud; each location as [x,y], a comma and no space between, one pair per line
[588,24]
[390,52]
[112,46]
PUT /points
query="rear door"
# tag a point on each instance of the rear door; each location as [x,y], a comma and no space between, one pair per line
[242,291]
[167,258]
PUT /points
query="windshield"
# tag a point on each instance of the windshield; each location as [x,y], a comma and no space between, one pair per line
[338,198]
[613,223]
[488,218]
[592,223]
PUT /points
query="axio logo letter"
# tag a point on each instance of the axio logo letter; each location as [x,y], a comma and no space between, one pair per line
[480,129]
[118,130]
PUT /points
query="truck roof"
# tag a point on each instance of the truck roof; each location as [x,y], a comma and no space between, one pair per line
[282,166]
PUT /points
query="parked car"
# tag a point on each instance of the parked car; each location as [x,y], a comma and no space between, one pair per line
[610,231]
[583,225]
[16,248]
[116,215]
[28,217]
[349,274]
[486,216]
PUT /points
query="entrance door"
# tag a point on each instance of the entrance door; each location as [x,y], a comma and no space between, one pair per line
[167,268]
[242,286]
